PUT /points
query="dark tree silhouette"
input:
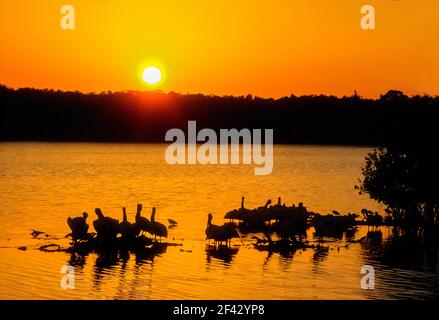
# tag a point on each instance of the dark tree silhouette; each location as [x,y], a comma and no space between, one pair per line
[47,115]
[406,180]
[395,97]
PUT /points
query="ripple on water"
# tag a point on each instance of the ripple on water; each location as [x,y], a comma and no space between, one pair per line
[43,184]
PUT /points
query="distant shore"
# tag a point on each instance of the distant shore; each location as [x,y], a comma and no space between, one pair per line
[47,115]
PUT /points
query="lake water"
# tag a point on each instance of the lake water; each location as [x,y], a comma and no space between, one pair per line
[44,183]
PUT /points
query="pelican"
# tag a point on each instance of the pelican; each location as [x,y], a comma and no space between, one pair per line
[142,223]
[238,214]
[79,227]
[243,212]
[258,216]
[276,212]
[157,228]
[227,233]
[127,229]
[219,233]
[107,228]
[212,230]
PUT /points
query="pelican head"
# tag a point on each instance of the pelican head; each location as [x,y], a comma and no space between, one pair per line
[99,213]
[153,214]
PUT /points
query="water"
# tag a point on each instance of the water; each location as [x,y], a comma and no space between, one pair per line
[42,184]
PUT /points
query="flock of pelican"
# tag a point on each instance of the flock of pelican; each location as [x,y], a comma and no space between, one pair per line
[286,221]
[107,228]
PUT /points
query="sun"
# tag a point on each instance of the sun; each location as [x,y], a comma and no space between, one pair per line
[152,75]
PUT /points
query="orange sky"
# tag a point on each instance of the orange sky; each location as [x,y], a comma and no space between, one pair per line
[266,48]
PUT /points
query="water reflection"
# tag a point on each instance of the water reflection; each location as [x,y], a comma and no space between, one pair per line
[372,244]
[107,259]
[286,251]
[406,253]
[320,177]
[148,254]
[104,262]
[222,253]
[124,256]
[320,254]
[77,260]
[405,268]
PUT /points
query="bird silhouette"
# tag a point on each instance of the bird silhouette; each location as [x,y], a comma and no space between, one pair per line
[212,230]
[276,212]
[279,201]
[157,228]
[238,214]
[106,228]
[127,229]
[219,234]
[142,223]
[78,226]
[258,216]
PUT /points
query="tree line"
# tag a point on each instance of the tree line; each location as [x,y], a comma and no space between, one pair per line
[29,114]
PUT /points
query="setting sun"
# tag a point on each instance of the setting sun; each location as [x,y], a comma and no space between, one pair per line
[152,75]
[170,152]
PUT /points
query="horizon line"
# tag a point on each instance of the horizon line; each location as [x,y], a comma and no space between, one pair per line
[146,91]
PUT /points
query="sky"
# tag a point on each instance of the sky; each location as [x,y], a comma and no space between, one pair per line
[265,48]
